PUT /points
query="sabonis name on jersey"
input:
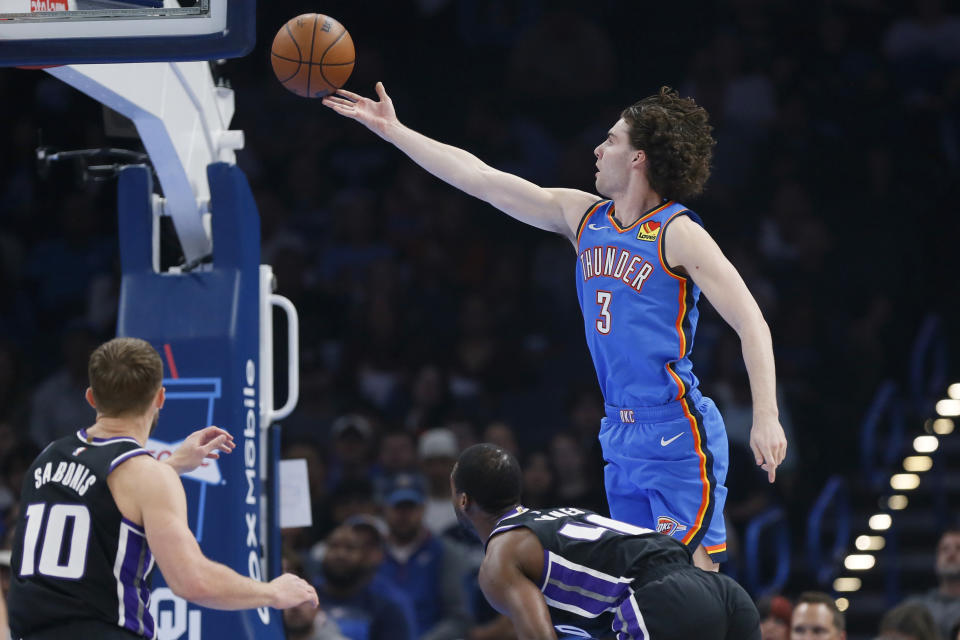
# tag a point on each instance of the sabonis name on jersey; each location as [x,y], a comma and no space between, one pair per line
[72,475]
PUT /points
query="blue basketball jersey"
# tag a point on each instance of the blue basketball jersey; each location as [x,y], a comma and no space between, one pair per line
[639,316]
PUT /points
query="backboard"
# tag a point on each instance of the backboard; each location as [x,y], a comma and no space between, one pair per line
[52,32]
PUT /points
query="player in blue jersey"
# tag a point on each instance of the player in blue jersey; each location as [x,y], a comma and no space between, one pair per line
[642,260]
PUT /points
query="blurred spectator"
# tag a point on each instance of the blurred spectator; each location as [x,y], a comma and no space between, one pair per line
[502,434]
[398,452]
[943,603]
[552,57]
[731,390]
[58,406]
[353,498]
[321,512]
[4,590]
[909,622]
[499,628]
[361,612]
[574,485]
[816,617]
[373,534]
[304,622]
[13,407]
[428,398]
[775,613]
[748,494]
[438,453]
[426,305]
[464,430]
[792,236]
[12,467]
[62,266]
[539,482]
[353,441]
[425,566]
[923,46]
[585,414]
[477,354]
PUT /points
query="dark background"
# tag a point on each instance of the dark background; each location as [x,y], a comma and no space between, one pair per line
[833,192]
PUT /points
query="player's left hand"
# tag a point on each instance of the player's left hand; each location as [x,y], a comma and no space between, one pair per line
[207,443]
[769,445]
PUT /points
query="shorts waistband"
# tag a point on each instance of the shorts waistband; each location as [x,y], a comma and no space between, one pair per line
[659,572]
[670,411]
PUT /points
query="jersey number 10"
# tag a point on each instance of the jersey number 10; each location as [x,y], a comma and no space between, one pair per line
[51,550]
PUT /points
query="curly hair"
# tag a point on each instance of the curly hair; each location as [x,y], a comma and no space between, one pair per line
[675,134]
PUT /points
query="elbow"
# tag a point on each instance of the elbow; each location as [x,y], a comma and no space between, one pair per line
[477,181]
[195,592]
[751,326]
[190,585]
[760,324]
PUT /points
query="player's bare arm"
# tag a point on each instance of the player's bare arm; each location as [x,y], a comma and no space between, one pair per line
[557,210]
[690,249]
[203,444]
[505,579]
[148,492]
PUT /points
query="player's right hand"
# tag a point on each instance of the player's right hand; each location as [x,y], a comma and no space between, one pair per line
[769,445]
[289,591]
[376,115]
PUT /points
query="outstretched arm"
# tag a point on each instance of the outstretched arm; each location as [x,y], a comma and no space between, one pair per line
[157,495]
[200,445]
[557,210]
[689,246]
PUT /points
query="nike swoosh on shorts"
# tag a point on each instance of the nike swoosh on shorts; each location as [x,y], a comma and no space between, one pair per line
[664,443]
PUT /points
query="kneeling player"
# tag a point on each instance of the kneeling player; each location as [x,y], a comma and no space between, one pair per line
[584,575]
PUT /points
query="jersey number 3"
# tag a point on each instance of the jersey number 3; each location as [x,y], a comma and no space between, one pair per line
[51,550]
[603,320]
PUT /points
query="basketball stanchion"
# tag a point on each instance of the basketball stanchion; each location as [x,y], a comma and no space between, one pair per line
[206,324]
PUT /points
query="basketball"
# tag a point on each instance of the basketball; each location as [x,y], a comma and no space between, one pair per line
[312,55]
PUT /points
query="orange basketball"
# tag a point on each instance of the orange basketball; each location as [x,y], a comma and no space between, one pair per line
[312,55]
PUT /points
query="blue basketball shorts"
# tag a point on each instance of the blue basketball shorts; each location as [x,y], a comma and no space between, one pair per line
[665,469]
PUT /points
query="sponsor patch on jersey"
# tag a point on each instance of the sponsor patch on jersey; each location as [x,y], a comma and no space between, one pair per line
[649,231]
[78,451]
[668,526]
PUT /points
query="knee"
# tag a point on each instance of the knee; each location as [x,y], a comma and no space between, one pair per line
[701,559]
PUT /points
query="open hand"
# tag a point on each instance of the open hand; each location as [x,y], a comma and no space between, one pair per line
[376,115]
[769,445]
[206,443]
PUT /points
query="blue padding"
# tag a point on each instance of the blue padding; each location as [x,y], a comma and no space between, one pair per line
[835,496]
[205,325]
[236,41]
[135,223]
[771,524]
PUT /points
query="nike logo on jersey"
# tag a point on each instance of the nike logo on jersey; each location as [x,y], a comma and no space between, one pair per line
[664,443]
[594,227]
